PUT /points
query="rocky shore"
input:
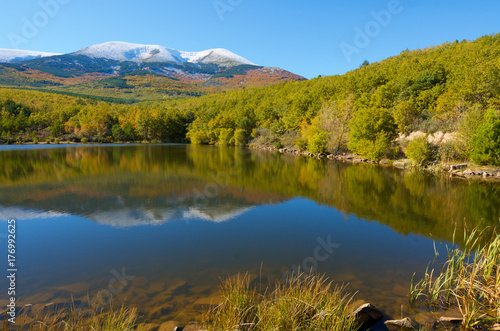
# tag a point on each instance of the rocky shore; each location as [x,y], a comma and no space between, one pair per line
[365,314]
[463,170]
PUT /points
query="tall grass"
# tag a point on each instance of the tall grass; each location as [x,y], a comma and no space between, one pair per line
[303,302]
[468,281]
[72,318]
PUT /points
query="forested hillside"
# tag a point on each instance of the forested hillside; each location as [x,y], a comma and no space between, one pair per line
[454,87]
[445,88]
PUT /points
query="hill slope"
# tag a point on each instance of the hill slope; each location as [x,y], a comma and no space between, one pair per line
[443,88]
[187,73]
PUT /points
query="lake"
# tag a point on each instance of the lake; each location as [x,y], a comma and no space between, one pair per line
[158,226]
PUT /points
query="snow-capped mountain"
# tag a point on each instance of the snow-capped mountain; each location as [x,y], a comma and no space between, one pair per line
[17,55]
[177,73]
[122,51]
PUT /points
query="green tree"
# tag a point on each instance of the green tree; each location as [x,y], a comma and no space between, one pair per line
[56,130]
[226,137]
[129,132]
[144,125]
[198,138]
[365,63]
[117,132]
[486,141]
[405,114]
[372,132]
[317,143]
[418,150]
[240,137]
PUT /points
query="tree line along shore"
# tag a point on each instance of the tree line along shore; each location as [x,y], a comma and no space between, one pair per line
[453,88]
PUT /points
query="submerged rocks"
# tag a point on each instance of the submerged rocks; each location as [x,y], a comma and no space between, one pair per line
[149,327]
[192,327]
[208,302]
[405,323]
[169,326]
[450,320]
[400,291]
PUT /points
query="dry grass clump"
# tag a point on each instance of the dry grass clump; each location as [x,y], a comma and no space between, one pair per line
[89,318]
[468,281]
[303,302]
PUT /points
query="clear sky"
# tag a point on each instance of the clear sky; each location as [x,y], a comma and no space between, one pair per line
[310,38]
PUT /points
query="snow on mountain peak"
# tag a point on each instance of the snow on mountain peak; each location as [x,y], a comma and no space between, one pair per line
[217,55]
[122,51]
[16,55]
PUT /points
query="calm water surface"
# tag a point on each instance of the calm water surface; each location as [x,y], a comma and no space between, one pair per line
[160,225]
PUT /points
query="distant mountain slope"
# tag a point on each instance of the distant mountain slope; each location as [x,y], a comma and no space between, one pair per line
[122,51]
[17,55]
[177,73]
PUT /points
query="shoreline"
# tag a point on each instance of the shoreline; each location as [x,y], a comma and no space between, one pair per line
[453,170]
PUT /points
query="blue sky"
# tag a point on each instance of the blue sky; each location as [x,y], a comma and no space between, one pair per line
[314,38]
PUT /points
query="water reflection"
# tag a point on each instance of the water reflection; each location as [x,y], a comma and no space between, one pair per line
[180,217]
[133,185]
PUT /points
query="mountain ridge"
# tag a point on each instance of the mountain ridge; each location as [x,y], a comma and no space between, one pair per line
[18,55]
[136,71]
[124,51]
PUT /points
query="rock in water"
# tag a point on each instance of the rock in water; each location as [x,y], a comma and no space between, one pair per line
[367,315]
[404,323]
[457,166]
[169,326]
[400,164]
[450,320]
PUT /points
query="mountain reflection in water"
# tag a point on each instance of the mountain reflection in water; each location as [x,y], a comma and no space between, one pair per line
[179,217]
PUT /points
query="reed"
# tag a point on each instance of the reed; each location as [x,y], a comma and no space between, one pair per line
[469,281]
[302,302]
